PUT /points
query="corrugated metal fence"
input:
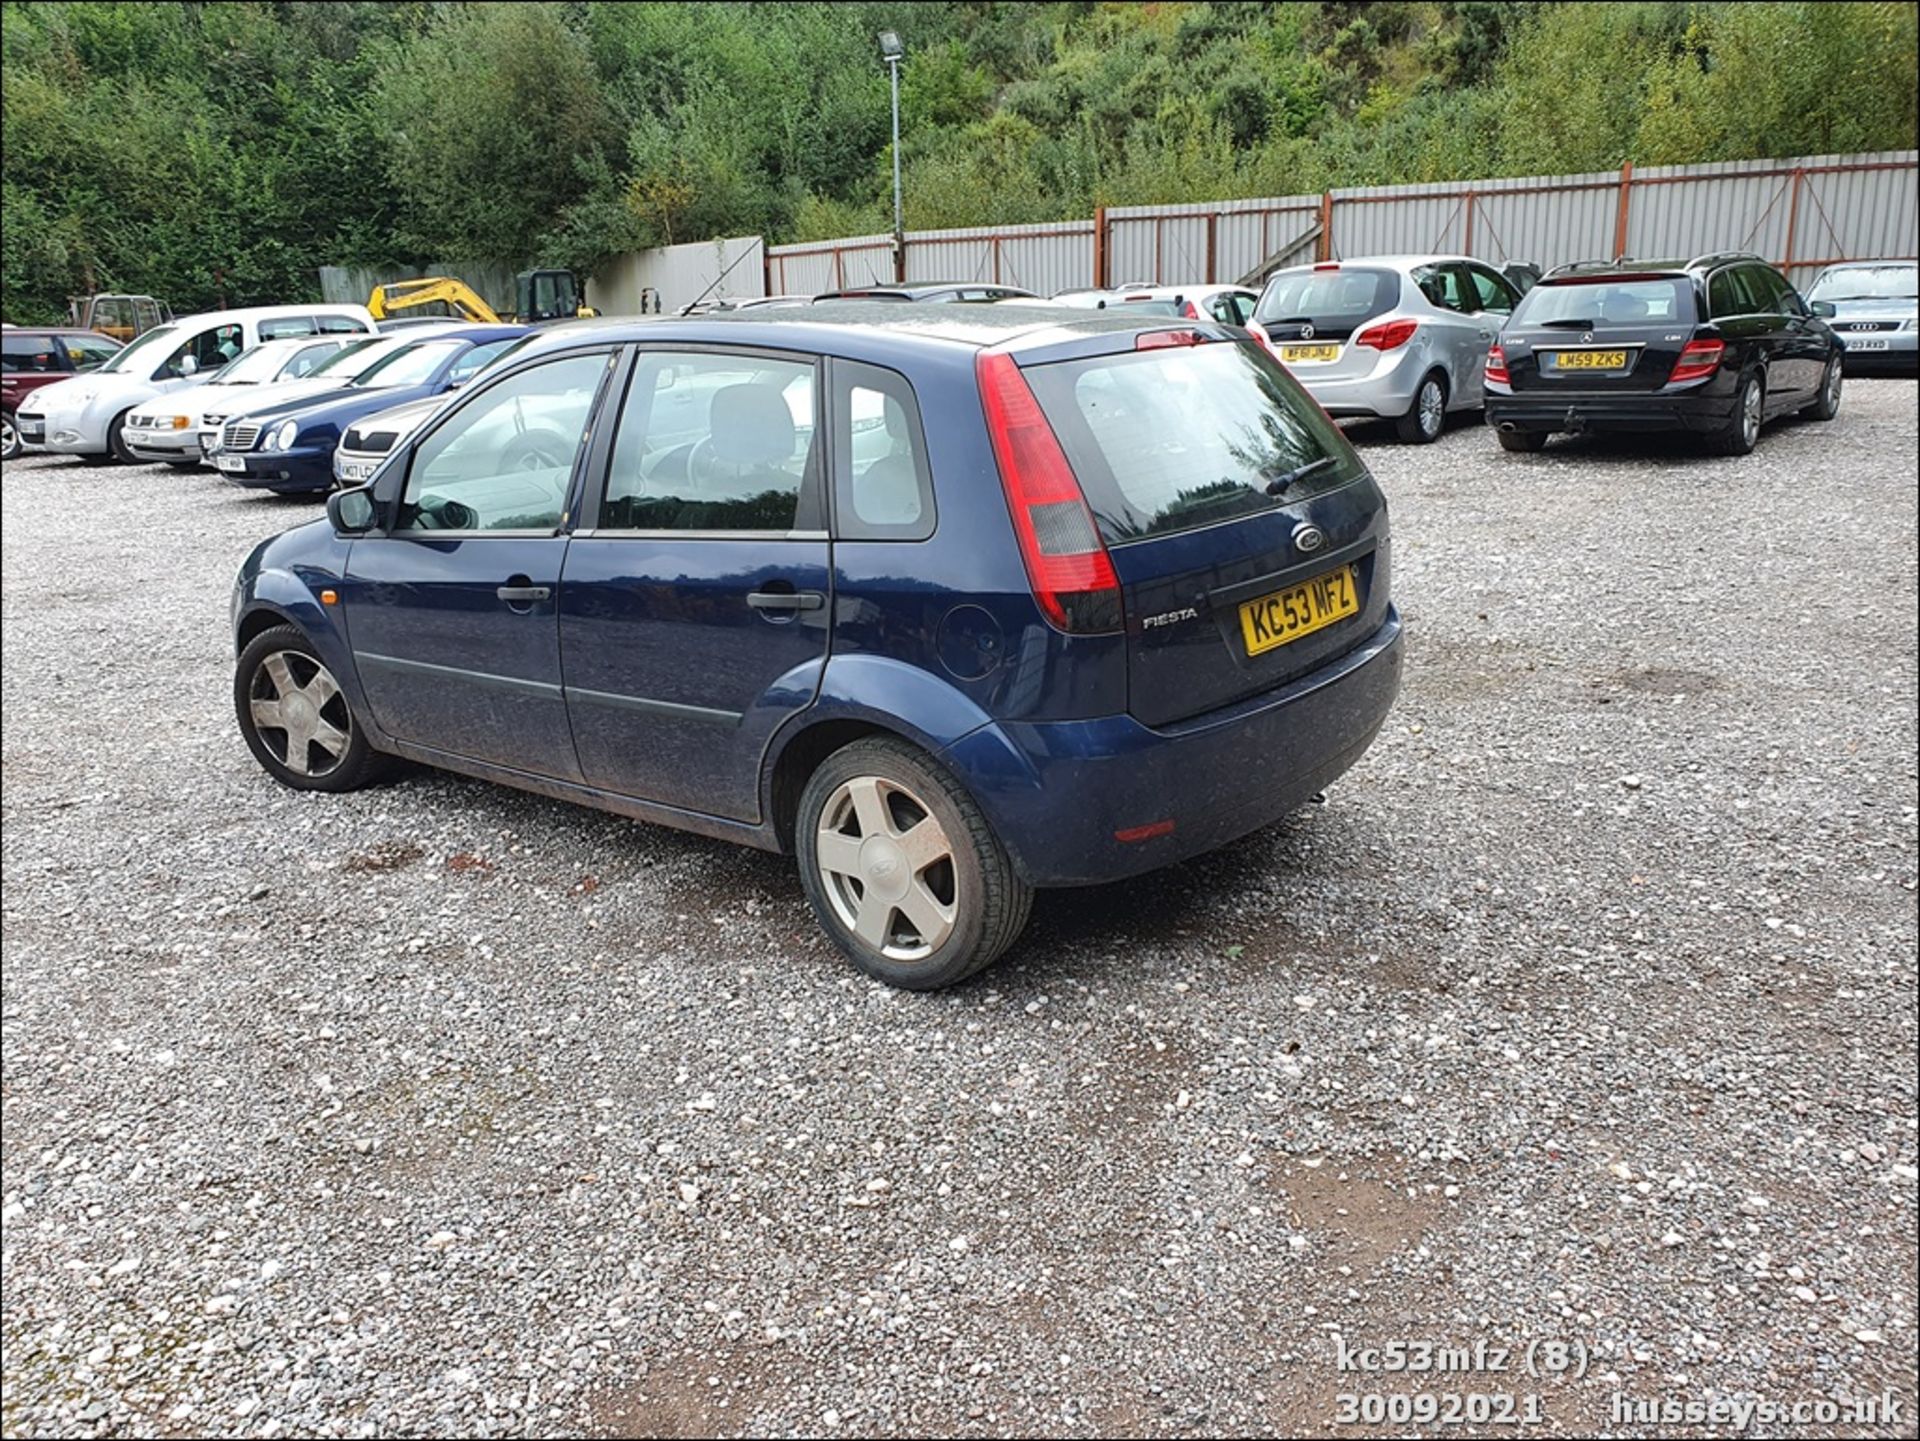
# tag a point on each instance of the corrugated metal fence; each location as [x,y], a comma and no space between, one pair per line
[1800,213]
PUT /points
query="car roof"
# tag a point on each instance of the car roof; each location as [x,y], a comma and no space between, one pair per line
[922,287]
[58,330]
[274,312]
[477,333]
[816,326]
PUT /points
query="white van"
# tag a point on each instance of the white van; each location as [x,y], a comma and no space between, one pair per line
[87,415]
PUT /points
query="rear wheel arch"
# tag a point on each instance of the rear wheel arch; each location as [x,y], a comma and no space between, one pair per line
[807,750]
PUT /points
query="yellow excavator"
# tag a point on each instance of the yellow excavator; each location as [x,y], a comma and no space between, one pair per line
[543,295]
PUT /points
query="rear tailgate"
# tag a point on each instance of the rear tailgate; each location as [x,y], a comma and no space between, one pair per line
[1599,334]
[1228,590]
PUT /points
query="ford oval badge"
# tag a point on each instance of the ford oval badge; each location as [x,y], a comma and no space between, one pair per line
[1308,537]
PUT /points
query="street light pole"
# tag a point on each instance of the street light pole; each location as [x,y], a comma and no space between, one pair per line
[893,52]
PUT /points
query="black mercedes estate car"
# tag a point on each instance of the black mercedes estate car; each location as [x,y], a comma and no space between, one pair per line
[1715,346]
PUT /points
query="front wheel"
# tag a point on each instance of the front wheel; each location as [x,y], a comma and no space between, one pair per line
[902,869]
[10,446]
[296,719]
[1742,430]
[1827,404]
[117,447]
[1427,416]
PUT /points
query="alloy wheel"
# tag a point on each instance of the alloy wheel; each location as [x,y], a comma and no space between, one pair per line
[1833,385]
[1750,412]
[887,867]
[9,438]
[1433,408]
[296,698]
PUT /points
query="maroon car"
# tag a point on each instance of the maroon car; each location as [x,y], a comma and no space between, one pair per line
[31,357]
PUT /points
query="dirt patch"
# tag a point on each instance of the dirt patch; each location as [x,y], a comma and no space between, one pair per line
[386,856]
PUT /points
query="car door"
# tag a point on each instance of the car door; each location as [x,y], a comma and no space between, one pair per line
[1494,299]
[694,612]
[1803,347]
[1463,334]
[1743,314]
[452,610]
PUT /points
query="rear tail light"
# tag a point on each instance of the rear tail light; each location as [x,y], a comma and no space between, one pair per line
[1497,366]
[1067,564]
[1698,359]
[1390,335]
[1188,311]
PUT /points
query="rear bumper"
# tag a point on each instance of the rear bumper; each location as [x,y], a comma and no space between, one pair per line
[1057,793]
[1384,394]
[1576,411]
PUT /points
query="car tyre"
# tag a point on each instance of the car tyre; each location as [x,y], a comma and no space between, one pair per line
[1427,416]
[118,452]
[1742,430]
[1827,404]
[1521,442]
[10,442]
[902,869]
[297,720]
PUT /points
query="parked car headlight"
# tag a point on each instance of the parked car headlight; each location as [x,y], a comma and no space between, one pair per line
[284,436]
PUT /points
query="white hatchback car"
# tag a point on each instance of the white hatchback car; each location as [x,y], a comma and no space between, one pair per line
[87,416]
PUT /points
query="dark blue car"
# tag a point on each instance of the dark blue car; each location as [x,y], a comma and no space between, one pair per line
[289,447]
[951,606]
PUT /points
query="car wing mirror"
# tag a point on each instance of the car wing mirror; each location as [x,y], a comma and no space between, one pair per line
[1825,309]
[353,512]
[188,365]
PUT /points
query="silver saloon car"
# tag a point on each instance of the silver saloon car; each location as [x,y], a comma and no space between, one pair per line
[1393,337]
[1872,307]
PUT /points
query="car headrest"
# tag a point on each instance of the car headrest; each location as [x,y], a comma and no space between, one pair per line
[751,425]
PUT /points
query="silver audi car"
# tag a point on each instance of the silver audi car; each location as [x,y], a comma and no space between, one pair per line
[1874,307]
[1391,337]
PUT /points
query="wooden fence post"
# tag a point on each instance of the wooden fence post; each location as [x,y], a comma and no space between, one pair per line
[1793,220]
[1325,247]
[1099,247]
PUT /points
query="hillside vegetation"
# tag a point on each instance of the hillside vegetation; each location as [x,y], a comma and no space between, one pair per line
[197,151]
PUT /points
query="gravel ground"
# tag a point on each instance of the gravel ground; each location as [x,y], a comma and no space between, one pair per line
[1583,1011]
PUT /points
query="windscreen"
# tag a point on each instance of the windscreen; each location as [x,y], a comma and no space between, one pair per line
[1328,300]
[1868,282]
[411,364]
[1178,437]
[148,348]
[256,366]
[1583,304]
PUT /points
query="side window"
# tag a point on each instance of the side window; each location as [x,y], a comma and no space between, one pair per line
[1727,294]
[210,349]
[1494,293]
[306,358]
[286,327]
[712,441]
[89,352]
[1444,286]
[1772,290]
[29,357]
[882,487]
[341,325]
[1243,307]
[504,461]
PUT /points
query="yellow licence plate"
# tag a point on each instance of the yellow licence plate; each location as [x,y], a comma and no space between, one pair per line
[1285,615]
[1589,359]
[1309,352]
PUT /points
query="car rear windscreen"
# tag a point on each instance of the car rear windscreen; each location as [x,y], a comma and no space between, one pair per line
[1328,300]
[1179,437]
[1601,302]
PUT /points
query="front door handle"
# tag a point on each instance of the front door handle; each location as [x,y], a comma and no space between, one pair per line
[523,595]
[786,600]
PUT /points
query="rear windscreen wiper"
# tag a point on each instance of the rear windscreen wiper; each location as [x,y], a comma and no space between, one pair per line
[1278,485]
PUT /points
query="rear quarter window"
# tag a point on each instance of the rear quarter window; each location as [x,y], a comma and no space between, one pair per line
[1176,438]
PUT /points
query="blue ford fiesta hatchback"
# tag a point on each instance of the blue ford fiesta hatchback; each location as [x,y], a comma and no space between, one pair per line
[949,606]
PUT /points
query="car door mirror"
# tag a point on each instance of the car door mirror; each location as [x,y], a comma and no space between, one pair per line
[1825,309]
[188,365]
[353,512]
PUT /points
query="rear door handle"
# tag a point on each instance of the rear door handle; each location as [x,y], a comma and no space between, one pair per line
[522,594]
[786,600]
